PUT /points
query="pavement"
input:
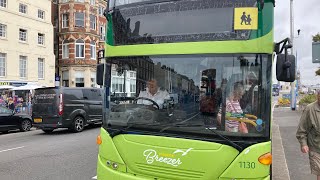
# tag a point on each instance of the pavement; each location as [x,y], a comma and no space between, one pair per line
[61,155]
[288,161]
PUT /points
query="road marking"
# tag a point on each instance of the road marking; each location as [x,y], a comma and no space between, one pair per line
[11,149]
[95,177]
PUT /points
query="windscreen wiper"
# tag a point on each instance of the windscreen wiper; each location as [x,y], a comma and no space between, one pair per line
[125,129]
[238,147]
[121,131]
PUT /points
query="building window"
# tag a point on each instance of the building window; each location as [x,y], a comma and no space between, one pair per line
[92,2]
[80,48]
[3,3]
[133,85]
[64,1]
[65,49]
[40,68]
[2,64]
[117,85]
[23,8]
[79,1]
[3,30]
[40,14]
[100,10]
[79,18]
[133,74]
[102,33]
[93,22]
[65,78]
[93,79]
[22,35]
[23,67]
[40,38]
[65,20]
[79,78]
[93,50]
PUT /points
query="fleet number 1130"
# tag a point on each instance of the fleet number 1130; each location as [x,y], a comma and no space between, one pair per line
[247,165]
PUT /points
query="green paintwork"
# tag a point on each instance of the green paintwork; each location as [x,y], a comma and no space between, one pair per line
[109,39]
[206,161]
[250,154]
[107,143]
[205,155]
[260,45]
[265,23]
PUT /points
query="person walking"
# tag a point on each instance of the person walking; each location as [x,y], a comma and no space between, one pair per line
[308,134]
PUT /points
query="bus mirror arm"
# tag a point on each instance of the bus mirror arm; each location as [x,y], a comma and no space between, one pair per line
[286,45]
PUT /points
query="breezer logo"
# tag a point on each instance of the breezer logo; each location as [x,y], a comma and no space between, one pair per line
[152,156]
[183,152]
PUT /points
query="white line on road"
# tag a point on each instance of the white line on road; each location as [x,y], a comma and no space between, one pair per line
[11,149]
[95,177]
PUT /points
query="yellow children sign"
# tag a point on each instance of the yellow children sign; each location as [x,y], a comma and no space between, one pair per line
[245,18]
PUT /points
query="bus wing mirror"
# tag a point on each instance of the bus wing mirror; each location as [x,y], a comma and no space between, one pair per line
[286,68]
[100,73]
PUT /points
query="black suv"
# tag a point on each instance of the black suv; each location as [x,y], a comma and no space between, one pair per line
[9,120]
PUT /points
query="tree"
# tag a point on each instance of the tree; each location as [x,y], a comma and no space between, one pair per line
[316,38]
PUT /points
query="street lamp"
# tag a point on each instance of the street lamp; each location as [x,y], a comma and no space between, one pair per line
[293,93]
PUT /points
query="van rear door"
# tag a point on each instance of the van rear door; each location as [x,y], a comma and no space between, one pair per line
[46,102]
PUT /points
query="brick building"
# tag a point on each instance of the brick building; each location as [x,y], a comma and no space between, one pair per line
[79,34]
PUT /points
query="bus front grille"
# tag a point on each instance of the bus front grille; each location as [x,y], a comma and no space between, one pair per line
[173,172]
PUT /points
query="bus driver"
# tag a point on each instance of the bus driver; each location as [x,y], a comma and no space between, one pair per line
[154,93]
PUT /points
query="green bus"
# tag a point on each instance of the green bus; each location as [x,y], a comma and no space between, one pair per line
[188,89]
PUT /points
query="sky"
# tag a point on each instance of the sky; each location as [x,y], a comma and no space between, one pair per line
[306,18]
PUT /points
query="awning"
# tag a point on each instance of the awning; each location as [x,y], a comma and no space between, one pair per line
[6,87]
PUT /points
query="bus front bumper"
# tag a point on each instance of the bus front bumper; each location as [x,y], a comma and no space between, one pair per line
[106,173]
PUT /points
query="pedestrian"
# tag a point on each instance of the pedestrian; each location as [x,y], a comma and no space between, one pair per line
[308,134]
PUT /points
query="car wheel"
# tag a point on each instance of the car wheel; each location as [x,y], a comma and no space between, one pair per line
[78,124]
[5,132]
[47,130]
[25,125]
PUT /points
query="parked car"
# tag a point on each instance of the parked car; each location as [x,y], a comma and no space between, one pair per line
[65,107]
[9,120]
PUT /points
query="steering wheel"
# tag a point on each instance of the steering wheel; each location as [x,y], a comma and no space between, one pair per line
[144,98]
[247,118]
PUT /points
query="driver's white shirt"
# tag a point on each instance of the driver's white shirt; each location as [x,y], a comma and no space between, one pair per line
[158,97]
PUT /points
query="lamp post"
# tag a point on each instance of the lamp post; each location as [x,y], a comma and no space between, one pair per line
[293,93]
